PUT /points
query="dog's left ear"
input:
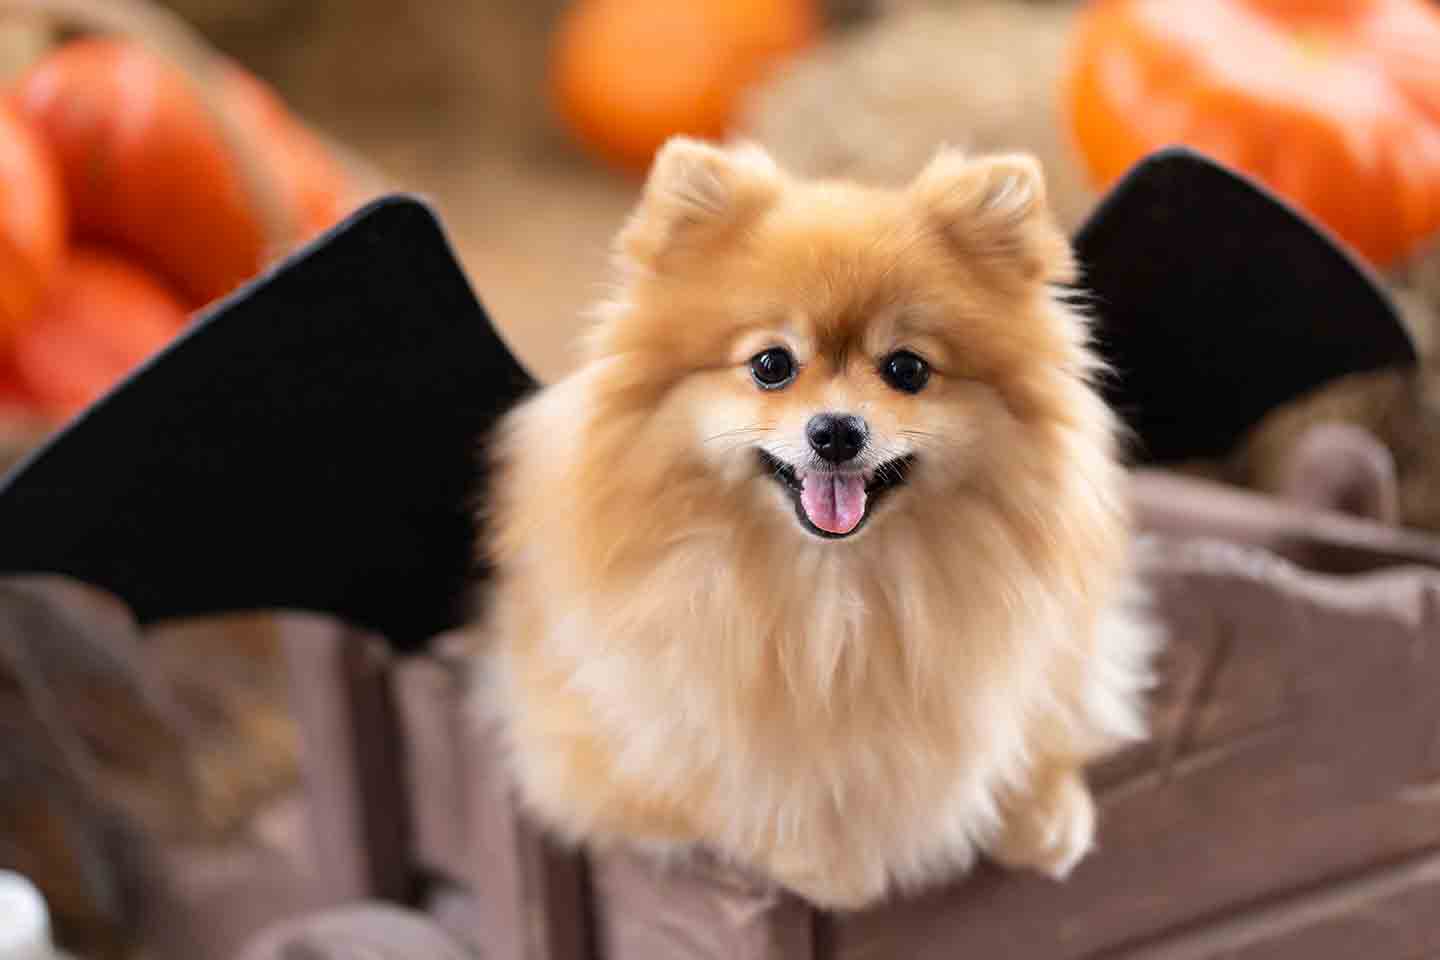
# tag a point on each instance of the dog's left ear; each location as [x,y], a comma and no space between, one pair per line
[696,194]
[993,210]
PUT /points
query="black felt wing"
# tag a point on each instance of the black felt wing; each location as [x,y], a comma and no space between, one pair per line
[308,444]
[1217,303]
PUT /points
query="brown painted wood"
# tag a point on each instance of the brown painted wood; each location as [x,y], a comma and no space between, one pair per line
[429,707]
[351,759]
[645,909]
[1178,505]
[508,892]
[1388,911]
[556,898]
[1297,749]
[364,931]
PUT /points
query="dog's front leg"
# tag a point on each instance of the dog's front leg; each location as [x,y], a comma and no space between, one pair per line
[1051,826]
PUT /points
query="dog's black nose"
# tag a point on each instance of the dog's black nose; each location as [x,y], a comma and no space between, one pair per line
[835,437]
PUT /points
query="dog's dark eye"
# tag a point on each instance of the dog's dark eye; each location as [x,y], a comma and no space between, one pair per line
[772,368]
[905,371]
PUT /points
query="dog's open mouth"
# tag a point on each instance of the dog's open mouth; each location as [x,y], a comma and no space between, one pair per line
[835,504]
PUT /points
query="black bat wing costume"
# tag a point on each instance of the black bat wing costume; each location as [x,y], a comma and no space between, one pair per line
[312,442]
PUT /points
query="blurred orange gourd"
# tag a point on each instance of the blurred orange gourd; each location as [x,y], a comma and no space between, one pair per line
[145,168]
[1334,104]
[105,317]
[32,223]
[628,74]
[17,404]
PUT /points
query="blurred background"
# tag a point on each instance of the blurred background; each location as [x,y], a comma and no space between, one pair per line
[530,125]
[153,155]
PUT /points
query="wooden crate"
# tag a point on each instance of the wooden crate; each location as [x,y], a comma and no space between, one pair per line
[1288,805]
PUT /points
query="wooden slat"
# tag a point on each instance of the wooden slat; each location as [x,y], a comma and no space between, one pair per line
[429,705]
[556,898]
[366,931]
[647,910]
[1178,505]
[1386,912]
[527,895]
[351,760]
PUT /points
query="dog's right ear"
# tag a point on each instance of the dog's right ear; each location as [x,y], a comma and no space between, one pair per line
[696,194]
[992,209]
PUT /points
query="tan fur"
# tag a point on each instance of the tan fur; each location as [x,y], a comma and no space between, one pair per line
[676,661]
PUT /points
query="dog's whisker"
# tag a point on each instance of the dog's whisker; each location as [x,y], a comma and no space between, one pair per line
[894,470]
[740,433]
[924,439]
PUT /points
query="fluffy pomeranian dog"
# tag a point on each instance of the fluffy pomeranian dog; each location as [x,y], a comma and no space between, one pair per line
[818,562]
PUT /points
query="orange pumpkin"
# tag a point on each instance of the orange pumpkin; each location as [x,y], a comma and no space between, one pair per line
[17,403]
[32,223]
[1334,104]
[310,180]
[145,168]
[106,317]
[628,74]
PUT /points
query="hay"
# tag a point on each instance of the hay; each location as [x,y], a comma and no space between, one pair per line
[875,103]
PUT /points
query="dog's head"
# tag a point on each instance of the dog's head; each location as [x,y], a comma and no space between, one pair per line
[828,353]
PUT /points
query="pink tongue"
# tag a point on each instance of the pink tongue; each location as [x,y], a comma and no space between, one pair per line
[834,502]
